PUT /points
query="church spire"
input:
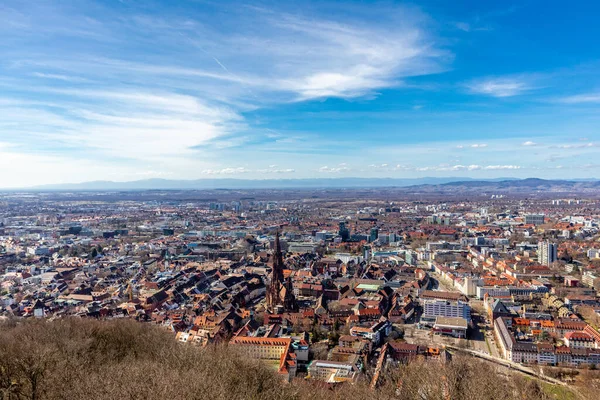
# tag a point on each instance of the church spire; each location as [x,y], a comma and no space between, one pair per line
[277,261]
[280,293]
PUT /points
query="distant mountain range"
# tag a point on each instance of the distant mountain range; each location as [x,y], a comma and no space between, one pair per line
[200,184]
[514,185]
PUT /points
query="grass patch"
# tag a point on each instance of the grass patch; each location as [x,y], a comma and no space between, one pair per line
[558,392]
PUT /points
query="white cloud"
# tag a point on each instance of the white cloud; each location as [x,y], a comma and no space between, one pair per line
[262,51]
[500,87]
[333,59]
[476,25]
[463,26]
[338,169]
[581,98]
[226,171]
[472,146]
[128,124]
[379,166]
[500,167]
[472,167]
[529,143]
[276,171]
[577,146]
[66,78]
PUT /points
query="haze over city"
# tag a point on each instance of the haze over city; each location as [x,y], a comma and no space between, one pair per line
[132,90]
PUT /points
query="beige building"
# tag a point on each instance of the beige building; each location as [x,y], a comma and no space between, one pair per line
[332,371]
[276,350]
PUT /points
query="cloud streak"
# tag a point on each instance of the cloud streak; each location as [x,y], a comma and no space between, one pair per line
[500,87]
[472,167]
[581,98]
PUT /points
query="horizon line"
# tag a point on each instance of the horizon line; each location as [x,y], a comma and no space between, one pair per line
[453,179]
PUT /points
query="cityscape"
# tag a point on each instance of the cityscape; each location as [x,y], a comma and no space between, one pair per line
[320,288]
[280,200]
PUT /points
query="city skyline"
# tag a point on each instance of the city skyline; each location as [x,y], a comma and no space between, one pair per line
[273,90]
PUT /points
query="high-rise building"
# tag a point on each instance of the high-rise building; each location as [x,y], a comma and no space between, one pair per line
[374,234]
[547,252]
[367,253]
[344,232]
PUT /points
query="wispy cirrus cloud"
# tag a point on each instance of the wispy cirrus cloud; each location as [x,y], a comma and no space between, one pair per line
[501,167]
[581,98]
[160,86]
[500,87]
[126,124]
[66,78]
[271,169]
[472,146]
[297,56]
[182,90]
[576,145]
[463,26]
[275,170]
[347,59]
[472,167]
[471,27]
[226,171]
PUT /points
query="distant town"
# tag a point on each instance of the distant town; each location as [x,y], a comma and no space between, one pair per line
[329,286]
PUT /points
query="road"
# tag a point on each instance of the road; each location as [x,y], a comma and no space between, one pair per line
[508,364]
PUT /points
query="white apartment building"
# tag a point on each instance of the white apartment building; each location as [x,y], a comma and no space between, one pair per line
[444,308]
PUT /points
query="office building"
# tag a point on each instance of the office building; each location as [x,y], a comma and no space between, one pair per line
[374,234]
[534,219]
[343,232]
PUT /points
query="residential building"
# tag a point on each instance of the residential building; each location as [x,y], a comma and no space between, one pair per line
[547,252]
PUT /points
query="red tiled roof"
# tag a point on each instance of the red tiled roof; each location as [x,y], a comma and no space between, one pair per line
[263,341]
[580,336]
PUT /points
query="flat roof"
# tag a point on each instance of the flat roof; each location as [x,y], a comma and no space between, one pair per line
[368,287]
[451,322]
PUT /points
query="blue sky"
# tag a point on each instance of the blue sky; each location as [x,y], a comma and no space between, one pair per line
[126,90]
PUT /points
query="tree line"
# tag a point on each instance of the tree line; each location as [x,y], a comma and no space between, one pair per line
[74,358]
